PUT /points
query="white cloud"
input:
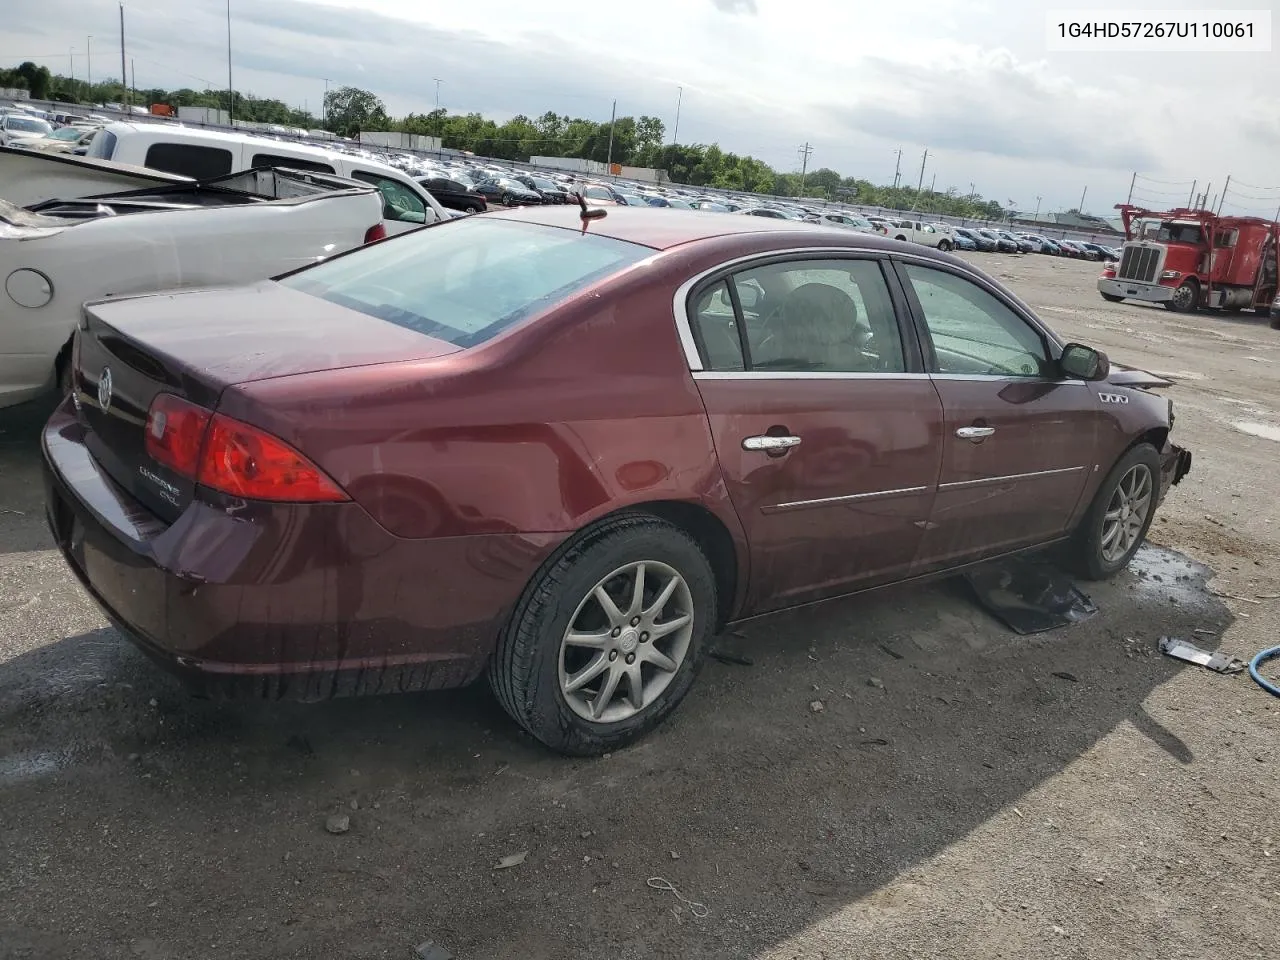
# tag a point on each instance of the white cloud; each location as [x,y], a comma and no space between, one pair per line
[969,80]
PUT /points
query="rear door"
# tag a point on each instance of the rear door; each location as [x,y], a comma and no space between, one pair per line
[1019,440]
[826,427]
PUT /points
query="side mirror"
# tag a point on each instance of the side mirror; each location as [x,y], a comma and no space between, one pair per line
[1084,363]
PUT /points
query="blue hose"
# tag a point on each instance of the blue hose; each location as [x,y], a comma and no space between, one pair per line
[1257,662]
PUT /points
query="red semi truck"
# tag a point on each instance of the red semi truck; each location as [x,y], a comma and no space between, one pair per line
[1188,259]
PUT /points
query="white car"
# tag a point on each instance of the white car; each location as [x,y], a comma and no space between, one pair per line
[229,230]
[846,221]
[918,231]
[19,129]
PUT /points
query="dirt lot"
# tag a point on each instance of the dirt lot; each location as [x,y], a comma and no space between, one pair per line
[1070,795]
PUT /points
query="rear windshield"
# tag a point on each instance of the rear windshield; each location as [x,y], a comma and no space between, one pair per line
[469,280]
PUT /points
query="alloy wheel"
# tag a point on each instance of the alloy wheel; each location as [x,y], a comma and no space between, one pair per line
[1127,512]
[626,641]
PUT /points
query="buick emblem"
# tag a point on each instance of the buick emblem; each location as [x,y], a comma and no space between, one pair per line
[104,389]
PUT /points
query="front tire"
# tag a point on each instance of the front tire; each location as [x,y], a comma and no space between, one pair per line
[1111,298]
[1119,517]
[1186,299]
[944,246]
[609,637]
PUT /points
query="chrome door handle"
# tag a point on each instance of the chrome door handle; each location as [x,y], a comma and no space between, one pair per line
[770,443]
[975,433]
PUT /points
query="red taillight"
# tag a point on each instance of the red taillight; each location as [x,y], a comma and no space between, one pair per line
[247,462]
[175,429]
[376,232]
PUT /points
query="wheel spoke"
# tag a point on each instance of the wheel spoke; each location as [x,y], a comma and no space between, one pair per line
[607,690]
[664,597]
[599,663]
[610,608]
[660,630]
[637,593]
[635,686]
[595,641]
[660,660]
[1112,515]
[1109,535]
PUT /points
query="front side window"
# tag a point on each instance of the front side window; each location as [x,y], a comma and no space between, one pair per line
[442,282]
[398,201]
[974,333]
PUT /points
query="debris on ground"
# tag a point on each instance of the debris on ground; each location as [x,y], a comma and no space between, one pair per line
[338,823]
[430,950]
[1030,596]
[511,860]
[1063,675]
[875,682]
[817,706]
[661,883]
[733,658]
[1211,660]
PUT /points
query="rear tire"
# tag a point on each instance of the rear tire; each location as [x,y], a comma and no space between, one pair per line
[1112,530]
[944,246]
[472,208]
[536,664]
[1111,298]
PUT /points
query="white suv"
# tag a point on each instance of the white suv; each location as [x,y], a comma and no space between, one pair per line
[16,129]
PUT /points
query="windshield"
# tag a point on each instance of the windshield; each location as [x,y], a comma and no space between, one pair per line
[441,281]
[28,125]
[67,133]
[1180,233]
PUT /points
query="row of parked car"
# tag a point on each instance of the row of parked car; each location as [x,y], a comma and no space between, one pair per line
[989,239]
[40,130]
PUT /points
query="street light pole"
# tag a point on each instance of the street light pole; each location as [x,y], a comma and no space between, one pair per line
[88,52]
[612,120]
[438,82]
[231,92]
[1037,214]
[324,104]
[676,132]
[124,87]
[71,60]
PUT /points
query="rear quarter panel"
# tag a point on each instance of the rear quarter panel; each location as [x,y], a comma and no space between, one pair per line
[570,417]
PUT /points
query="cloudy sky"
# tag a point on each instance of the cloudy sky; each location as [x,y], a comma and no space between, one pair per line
[970,80]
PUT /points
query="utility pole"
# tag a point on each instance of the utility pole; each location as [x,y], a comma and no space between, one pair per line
[88,52]
[805,152]
[920,183]
[973,192]
[897,169]
[1131,183]
[675,133]
[1080,209]
[438,82]
[613,118]
[71,59]
[231,92]
[1192,195]
[324,104]
[133,80]
[933,183]
[124,91]
[1204,196]
[1036,218]
[1224,193]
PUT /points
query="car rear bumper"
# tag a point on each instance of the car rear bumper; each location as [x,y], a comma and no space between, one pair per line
[1131,290]
[294,601]
[1175,463]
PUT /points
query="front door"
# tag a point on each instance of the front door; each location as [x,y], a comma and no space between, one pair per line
[1018,439]
[826,428]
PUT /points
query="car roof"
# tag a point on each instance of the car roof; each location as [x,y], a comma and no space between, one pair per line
[663,229]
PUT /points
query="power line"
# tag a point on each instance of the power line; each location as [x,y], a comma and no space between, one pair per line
[1167,183]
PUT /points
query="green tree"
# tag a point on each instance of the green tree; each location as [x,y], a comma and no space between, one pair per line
[39,80]
[348,110]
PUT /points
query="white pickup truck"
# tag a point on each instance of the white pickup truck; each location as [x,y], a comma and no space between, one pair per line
[234,229]
[918,231]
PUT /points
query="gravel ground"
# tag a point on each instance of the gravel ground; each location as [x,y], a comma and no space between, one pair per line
[1069,795]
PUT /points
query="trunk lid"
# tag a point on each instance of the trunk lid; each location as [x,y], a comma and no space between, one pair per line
[194,345]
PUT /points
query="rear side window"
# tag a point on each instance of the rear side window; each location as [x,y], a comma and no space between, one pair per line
[467,282]
[189,160]
[294,163]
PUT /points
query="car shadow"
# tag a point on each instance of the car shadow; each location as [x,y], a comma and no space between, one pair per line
[860,738]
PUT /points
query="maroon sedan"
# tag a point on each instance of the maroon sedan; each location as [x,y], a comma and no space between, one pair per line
[568,452]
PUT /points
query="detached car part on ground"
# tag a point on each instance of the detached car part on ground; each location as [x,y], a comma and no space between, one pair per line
[385,473]
[229,230]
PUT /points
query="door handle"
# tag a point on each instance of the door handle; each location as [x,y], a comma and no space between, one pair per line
[770,443]
[976,434]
